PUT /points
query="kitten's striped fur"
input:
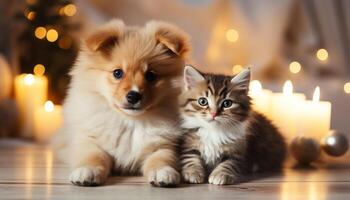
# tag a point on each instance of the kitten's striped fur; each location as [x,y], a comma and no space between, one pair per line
[222,144]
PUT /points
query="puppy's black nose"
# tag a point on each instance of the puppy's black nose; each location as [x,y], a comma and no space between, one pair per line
[133,97]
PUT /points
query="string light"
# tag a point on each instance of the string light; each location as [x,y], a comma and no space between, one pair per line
[39,69]
[31,2]
[232,35]
[294,67]
[322,54]
[236,69]
[40,32]
[347,88]
[49,106]
[52,35]
[70,10]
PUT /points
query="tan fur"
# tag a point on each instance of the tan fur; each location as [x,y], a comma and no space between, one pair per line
[99,134]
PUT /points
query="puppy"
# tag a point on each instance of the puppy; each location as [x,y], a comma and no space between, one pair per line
[121,110]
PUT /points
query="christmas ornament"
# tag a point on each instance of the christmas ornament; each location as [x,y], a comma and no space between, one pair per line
[335,144]
[305,150]
[5,78]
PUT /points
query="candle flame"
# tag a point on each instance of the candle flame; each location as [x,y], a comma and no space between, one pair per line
[288,88]
[49,106]
[29,79]
[316,97]
[255,87]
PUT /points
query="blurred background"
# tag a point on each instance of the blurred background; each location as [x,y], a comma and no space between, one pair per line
[305,41]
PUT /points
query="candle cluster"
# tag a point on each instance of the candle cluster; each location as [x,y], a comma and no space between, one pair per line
[39,118]
[291,112]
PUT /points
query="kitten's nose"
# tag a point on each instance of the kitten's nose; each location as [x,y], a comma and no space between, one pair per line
[213,114]
[133,97]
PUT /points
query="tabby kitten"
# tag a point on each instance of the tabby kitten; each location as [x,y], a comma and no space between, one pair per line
[224,139]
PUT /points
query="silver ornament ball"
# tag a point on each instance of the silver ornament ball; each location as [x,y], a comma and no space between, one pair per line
[335,144]
[305,150]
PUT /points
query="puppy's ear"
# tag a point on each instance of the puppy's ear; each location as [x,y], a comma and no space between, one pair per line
[171,37]
[106,37]
[192,77]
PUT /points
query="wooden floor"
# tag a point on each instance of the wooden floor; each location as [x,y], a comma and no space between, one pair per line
[32,172]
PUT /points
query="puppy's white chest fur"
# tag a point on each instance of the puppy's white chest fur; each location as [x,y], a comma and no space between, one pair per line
[213,138]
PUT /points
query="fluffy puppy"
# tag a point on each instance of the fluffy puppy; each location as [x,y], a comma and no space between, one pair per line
[121,110]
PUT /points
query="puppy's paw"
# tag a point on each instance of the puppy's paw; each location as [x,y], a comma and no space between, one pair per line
[222,178]
[88,176]
[164,177]
[193,175]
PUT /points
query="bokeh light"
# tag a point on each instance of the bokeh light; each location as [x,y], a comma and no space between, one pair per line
[31,15]
[29,79]
[347,88]
[232,35]
[322,54]
[39,69]
[294,67]
[236,69]
[40,32]
[52,35]
[70,10]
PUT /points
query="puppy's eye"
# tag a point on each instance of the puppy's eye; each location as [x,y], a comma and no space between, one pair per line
[227,103]
[150,76]
[118,73]
[203,101]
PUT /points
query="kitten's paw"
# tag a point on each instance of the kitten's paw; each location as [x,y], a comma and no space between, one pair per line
[87,176]
[164,177]
[193,175]
[222,178]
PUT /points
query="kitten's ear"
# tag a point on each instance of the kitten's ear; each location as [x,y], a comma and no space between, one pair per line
[171,37]
[192,77]
[241,80]
[106,37]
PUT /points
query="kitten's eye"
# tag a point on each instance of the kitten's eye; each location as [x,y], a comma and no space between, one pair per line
[118,73]
[202,101]
[227,103]
[150,76]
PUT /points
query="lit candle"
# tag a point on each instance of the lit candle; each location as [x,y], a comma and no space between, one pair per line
[31,92]
[261,98]
[315,117]
[47,120]
[285,109]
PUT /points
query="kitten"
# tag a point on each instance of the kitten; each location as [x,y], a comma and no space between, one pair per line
[224,139]
[121,112]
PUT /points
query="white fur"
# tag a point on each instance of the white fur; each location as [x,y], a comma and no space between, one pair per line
[213,136]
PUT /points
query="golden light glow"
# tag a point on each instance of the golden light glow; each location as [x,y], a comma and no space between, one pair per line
[347,87]
[70,10]
[316,96]
[322,54]
[40,32]
[49,106]
[52,35]
[288,88]
[255,88]
[39,69]
[29,79]
[236,69]
[232,35]
[65,42]
[294,67]
[30,15]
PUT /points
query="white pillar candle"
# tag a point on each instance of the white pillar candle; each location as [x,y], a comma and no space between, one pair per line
[285,109]
[31,92]
[261,98]
[315,117]
[47,120]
